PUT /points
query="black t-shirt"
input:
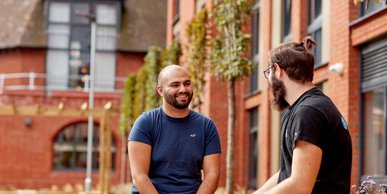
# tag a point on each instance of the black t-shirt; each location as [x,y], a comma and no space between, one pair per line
[315,119]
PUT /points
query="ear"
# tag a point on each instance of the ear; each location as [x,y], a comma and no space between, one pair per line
[278,70]
[160,90]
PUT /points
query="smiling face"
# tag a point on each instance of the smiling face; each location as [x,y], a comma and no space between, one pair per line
[175,87]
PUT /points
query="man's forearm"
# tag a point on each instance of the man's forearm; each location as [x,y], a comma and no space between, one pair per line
[268,184]
[209,184]
[289,186]
[144,184]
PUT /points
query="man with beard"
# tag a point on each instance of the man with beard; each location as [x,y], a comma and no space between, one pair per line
[316,149]
[170,145]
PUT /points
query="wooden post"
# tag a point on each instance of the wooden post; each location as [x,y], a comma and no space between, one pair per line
[102,153]
[108,150]
[105,137]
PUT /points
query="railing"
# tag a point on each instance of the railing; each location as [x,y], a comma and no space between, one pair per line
[38,81]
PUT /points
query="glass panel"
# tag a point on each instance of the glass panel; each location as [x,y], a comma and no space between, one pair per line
[58,36]
[253,119]
[78,65]
[83,8]
[253,149]
[317,48]
[106,14]
[372,6]
[254,79]
[287,17]
[310,11]
[255,32]
[57,69]
[255,50]
[59,12]
[317,8]
[81,35]
[106,38]
[374,132]
[104,71]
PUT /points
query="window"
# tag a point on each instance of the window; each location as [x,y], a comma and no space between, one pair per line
[255,49]
[69,41]
[374,131]
[253,148]
[374,110]
[315,27]
[372,7]
[286,20]
[70,148]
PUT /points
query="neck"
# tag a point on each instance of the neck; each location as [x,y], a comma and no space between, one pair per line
[175,112]
[295,90]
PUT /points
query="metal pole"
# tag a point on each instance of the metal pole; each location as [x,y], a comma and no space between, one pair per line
[88,180]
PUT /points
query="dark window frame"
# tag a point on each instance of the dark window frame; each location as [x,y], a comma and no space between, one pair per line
[253,147]
[75,80]
[314,28]
[286,20]
[77,143]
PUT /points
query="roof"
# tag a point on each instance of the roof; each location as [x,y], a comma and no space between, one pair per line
[22,24]
[143,23]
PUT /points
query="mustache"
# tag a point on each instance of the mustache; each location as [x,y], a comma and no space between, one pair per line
[179,93]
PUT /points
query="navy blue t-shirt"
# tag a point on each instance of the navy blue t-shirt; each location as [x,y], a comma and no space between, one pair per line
[178,148]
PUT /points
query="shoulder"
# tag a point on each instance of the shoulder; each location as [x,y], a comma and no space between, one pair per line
[200,117]
[151,114]
[148,117]
[318,104]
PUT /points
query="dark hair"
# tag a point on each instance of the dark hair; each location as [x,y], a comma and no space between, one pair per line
[296,59]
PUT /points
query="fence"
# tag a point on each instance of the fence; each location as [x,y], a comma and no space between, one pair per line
[40,81]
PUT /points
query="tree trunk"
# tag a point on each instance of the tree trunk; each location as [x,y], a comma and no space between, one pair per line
[124,141]
[230,136]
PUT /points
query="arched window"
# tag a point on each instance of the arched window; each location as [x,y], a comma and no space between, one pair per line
[70,148]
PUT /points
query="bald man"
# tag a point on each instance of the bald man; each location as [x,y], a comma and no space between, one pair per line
[170,145]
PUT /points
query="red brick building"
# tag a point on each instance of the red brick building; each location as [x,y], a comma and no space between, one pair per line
[44,63]
[351,68]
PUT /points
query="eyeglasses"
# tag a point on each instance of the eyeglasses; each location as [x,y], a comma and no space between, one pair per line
[266,73]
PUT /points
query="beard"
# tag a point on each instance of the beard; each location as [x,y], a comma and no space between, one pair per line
[172,99]
[279,91]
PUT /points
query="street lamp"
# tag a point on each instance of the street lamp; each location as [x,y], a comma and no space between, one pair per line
[88,180]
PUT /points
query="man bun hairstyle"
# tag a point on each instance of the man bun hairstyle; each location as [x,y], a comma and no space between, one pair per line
[308,43]
[296,59]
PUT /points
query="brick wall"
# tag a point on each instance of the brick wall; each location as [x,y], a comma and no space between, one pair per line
[26,152]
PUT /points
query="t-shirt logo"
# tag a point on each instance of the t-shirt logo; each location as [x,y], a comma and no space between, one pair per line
[193,135]
[344,123]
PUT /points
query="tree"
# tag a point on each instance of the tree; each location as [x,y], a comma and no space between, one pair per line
[172,54]
[126,116]
[229,63]
[197,55]
[140,91]
[153,65]
[126,112]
